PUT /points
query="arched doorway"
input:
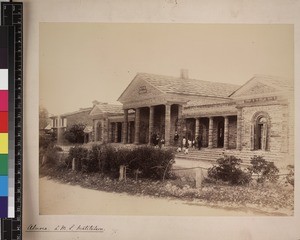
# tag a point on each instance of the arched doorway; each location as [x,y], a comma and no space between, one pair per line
[261,134]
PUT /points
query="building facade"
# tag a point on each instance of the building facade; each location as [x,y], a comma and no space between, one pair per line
[253,119]
[60,123]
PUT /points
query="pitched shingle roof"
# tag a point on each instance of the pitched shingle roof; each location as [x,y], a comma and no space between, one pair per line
[101,108]
[110,108]
[277,82]
[281,84]
[81,110]
[187,86]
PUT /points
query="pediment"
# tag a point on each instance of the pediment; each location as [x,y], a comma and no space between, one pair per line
[139,90]
[255,87]
[259,88]
[95,111]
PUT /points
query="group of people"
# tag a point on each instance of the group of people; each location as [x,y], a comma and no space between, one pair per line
[183,145]
[157,141]
[187,143]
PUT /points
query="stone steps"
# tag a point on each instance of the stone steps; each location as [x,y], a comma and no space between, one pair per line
[201,155]
[212,155]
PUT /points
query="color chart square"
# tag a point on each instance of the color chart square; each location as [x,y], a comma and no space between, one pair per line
[3,122]
[3,100]
[3,186]
[3,164]
[3,207]
[3,79]
[3,143]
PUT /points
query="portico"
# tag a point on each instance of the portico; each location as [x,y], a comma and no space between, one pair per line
[159,119]
[247,120]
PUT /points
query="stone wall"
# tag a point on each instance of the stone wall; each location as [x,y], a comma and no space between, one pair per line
[275,133]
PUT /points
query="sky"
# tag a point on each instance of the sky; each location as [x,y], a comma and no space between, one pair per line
[83,62]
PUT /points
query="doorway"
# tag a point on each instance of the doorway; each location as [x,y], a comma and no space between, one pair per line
[220,137]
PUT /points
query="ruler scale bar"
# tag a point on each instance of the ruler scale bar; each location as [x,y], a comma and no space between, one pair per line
[12,15]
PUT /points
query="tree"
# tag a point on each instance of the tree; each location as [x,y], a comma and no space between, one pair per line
[75,133]
[43,117]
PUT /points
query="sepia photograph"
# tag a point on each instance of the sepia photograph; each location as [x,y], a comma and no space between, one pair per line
[166,119]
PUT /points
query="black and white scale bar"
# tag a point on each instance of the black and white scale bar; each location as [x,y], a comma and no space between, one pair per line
[12,15]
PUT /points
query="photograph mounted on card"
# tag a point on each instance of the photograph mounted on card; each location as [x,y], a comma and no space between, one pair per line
[166,119]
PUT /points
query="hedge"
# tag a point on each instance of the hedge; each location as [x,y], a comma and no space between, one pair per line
[149,162]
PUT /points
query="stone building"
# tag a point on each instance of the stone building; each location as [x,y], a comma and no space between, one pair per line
[108,123]
[60,123]
[253,119]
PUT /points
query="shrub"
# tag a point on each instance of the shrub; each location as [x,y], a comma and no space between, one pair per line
[264,169]
[46,140]
[290,178]
[228,170]
[151,162]
[49,156]
[148,162]
[75,133]
[80,155]
[93,161]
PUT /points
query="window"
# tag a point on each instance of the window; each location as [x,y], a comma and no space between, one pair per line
[259,131]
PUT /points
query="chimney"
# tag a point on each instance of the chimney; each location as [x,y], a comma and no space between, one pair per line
[184,74]
[95,102]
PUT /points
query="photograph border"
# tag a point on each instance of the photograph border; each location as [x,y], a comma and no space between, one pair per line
[124,227]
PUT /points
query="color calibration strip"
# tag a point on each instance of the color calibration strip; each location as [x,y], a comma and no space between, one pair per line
[12,21]
[4,119]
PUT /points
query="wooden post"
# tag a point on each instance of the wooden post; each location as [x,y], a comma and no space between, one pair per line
[199,178]
[121,172]
[73,164]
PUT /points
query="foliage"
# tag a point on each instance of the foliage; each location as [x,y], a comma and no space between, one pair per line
[49,156]
[144,162]
[46,145]
[80,154]
[46,140]
[152,162]
[93,162]
[271,199]
[43,117]
[264,169]
[228,170]
[75,133]
[290,178]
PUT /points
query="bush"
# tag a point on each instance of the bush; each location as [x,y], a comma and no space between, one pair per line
[228,170]
[290,178]
[152,162]
[46,140]
[264,169]
[49,156]
[93,161]
[75,133]
[144,162]
[80,155]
